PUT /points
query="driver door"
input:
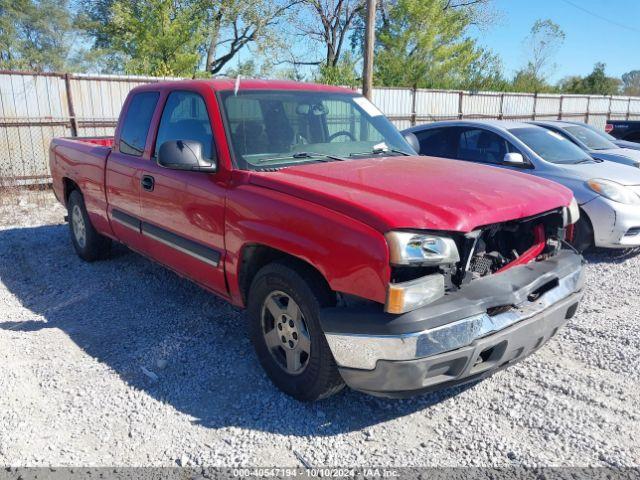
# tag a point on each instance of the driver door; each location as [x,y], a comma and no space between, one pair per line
[183,211]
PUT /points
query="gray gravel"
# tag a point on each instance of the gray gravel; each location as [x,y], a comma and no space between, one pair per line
[123,363]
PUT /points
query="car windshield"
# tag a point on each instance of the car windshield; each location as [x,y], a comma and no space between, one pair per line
[591,139]
[273,129]
[551,146]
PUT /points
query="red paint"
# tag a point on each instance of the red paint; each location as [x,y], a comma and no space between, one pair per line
[532,253]
[331,215]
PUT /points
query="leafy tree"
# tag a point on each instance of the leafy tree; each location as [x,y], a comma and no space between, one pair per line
[344,73]
[596,83]
[631,83]
[35,34]
[543,42]
[422,43]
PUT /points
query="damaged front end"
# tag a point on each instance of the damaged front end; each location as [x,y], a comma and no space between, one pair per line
[427,266]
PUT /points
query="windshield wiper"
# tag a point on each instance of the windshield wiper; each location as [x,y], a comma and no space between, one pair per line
[323,157]
[379,151]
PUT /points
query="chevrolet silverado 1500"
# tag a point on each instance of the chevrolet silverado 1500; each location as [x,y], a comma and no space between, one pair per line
[358,262]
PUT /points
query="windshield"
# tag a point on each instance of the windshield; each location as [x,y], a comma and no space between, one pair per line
[593,140]
[272,129]
[551,146]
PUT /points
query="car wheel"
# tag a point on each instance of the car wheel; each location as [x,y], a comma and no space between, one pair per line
[284,302]
[88,243]
[583,234]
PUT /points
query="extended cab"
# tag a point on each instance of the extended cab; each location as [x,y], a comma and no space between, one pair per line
[358,262]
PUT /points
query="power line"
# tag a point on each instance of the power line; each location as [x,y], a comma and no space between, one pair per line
[608,20]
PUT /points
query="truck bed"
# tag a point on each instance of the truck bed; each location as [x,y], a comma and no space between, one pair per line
[82,159]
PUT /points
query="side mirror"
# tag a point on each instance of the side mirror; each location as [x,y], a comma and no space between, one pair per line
[514,159]
[184,155]
[412,140]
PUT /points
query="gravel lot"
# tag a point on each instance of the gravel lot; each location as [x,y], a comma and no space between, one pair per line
[123,363]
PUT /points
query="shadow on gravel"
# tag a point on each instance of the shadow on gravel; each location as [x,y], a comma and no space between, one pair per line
[165,336]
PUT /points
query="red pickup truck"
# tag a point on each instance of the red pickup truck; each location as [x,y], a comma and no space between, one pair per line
[358,261]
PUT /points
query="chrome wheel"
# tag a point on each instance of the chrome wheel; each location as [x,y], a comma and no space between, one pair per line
[78,226]
[285,332]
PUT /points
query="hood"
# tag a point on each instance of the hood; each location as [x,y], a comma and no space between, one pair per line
[625,156]
[626,144]
[623,174]
[418,192]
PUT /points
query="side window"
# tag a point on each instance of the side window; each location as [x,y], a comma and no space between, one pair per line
[136,122]
[437,142]
[482,146]
[185,118]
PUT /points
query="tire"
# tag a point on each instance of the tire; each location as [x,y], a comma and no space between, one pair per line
[270,294]
[88,243]
[583,234]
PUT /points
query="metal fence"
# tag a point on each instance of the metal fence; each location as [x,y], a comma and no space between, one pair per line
[35,107]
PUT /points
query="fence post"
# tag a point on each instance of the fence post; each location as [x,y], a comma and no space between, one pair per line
[629,108]
[560,110]
[609,111]
[586,115]
[72,115]
[501,111]
[460,97]
[414,93]
[535,105]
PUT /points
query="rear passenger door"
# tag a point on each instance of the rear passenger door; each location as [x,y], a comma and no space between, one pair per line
[124,168]
[183,211]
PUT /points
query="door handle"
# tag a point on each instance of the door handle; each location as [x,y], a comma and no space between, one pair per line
[147,182]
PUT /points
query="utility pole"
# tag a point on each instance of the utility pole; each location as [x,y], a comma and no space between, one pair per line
[369,41]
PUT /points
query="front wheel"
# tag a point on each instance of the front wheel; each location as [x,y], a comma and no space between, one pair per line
[284,302]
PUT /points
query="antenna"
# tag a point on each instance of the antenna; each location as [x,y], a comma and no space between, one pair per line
[237,87]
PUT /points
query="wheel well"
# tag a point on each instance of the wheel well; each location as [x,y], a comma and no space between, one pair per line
[69,186]
[256,256]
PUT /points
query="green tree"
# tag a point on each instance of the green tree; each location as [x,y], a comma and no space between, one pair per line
[35,34]
[596,83]
[424,44]
[343,73]
[543,42]
[631,83]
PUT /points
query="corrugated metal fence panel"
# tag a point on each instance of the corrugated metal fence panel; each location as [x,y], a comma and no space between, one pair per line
[599,105]
[481,104]
[634,106]
[394,102]
[574,105]
[547,105]
[32,96]
[433,105]
[518,106]
[598,120]
[619,106]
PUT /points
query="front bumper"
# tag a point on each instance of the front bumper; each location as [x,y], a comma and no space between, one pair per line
[615,225]
[456,339]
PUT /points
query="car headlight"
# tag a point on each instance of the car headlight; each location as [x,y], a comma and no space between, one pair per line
[572,213]
[413,250]
[614,191]
[408,248]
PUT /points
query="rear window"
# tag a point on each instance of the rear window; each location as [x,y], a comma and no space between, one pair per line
[136,122]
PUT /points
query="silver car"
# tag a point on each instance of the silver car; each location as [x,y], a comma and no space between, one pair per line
[592,142]
[608,193]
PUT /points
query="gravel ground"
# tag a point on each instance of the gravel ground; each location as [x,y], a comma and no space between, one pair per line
[123,363]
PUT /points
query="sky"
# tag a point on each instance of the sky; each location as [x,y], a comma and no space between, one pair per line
[613,37]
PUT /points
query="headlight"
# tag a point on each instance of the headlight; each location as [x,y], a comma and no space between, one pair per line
[406,296]
[407,248]
[613,191]
[572,213]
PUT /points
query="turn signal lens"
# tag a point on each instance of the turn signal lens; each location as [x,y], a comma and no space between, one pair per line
[407,296]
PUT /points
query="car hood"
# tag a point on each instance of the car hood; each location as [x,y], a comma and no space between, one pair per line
[418,192]
[623,174]
[626,144]
[617,154]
